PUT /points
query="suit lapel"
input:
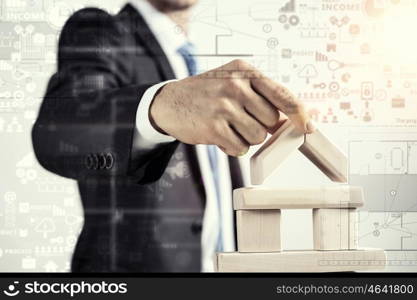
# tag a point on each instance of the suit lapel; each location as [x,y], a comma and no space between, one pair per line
[148,40]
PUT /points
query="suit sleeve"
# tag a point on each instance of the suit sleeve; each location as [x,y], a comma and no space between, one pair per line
[145,135]
[86,122]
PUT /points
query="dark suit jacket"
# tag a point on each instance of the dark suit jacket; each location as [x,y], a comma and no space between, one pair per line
[142,213]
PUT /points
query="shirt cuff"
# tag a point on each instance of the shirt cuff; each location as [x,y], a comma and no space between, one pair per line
[146,135]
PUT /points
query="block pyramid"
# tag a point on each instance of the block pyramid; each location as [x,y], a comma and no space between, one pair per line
[335,227]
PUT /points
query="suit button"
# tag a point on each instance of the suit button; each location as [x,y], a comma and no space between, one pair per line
[101,161]
[109,161]
[95,161]
[89,162]
[196,227]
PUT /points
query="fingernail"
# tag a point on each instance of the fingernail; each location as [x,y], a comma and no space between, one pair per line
[310,126]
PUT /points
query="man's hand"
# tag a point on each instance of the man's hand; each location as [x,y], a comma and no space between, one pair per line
[233,107]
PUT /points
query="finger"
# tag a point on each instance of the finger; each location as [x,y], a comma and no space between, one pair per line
[263,111]
[231,143]
[248,128]
[282,119]
[284,100]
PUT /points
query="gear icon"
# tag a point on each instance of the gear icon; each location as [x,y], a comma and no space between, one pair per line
[334,86]
[294,20]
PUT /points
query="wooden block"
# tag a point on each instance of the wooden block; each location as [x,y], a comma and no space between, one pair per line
[274,151]
[302,261]
[316,147]
[326,156]
[353,228]
[258,230]
[343,196]
[335,229]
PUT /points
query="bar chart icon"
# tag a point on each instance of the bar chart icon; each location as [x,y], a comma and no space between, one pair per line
[321,57]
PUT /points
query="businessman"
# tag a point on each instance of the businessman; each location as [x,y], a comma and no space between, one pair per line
[154,144]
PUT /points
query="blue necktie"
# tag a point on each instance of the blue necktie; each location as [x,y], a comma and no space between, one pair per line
[187,51]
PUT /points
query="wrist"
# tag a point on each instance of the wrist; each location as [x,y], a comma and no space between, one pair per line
[155,113]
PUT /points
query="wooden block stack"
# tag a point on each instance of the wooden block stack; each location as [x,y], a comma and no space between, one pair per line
[258,214]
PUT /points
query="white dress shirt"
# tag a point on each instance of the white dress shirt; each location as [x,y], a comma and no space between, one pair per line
[171,39]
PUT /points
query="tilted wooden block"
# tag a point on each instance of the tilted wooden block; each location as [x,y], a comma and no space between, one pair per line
[343,196]
[258,230]
[287,139]
[335,229]
[274,151]
[301,261]
[326,156]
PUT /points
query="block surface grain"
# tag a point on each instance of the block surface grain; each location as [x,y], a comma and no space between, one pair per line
[335,229]
[302,261]
[258,230]
[303,197]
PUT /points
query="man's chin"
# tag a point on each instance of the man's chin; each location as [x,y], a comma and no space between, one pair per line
[172,5]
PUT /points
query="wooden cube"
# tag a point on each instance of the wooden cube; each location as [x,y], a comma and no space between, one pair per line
[258,230]
[335,229]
